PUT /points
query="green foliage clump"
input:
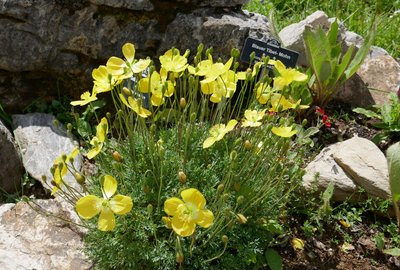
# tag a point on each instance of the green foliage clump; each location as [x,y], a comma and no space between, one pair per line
[192,173]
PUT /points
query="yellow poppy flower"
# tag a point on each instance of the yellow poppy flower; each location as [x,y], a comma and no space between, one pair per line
[218,131]
[252,118]
[125,69]
[282,131]
[188,213]
[286,75]
[173,61]
[61,170]
[135,105]
[158,85]
[280,103]
[104,81]
[98,140]
[263,93]
[89,206]
[85,99]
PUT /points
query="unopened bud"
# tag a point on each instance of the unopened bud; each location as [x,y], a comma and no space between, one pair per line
[127,92]
[304,122]
[108,115]
[182,103]
[220,188]
[240,199]
[53,183]
[64,157]
[179,257]
[241,218]
[233,155]
[224,239]
[55,122]
[182,177]
[117,156]
[248,145]
[69,127]
[79,178]
[44,178]
[150,208]
[235,53]
[200,48]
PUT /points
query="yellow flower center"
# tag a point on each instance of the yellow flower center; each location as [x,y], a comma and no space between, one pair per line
[188,211]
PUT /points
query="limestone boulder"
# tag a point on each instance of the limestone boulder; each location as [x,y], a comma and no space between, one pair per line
[41,141]
[352,165]
[11,167]
[29,239]
[324,170]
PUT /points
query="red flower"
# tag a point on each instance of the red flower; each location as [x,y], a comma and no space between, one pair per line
[326,121]
[320,111]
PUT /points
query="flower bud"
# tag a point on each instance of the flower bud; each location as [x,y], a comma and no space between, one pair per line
[248,145]
[108,115]
[53,183]
[79,178]
[150,208]
[179,257]
[44,178]
[69,127]
[182,177]
[63,157]
[55,122]
[200,48]
[182,103]
[233,155]
[127,92]
[220,188]
[240,199]
[241,218]
[146,189]
[304,122]
[224,239]
[117,156]
[193,117]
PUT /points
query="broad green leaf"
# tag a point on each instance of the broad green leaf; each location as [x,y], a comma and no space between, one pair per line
[274,260]
[367,113]
[325,71]
[339,71]
[379,241]
[392,251]
[362,53]
[333,33]
[310,132]
[393,158]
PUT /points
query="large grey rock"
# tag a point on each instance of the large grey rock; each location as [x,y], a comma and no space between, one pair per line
[362,160]
[30,240]
[324,170]
[381,73]
[51,47]
[11,168]
[350,165]
[292,35]
[222,32]
[41,142]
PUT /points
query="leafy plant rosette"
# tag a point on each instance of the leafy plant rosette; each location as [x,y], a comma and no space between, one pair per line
[194,168]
